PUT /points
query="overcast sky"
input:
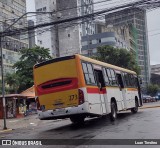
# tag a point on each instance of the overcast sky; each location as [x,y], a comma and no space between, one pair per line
[153,23]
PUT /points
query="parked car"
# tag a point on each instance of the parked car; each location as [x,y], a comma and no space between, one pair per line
[146,98]
[157,98]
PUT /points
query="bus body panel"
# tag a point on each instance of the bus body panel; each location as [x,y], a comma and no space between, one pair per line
[114,92]
[62,69]
[57,84]
[62,99]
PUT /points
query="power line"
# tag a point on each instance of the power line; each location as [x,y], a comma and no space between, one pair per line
[92,15]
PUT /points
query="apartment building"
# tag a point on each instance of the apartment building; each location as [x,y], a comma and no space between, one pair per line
[10,11]
[136,17]
[117,36]
[65,39]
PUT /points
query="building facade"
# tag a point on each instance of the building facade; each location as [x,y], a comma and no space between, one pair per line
[10,11]
[136,17]
[31,35]
[117,36]
[91,42]
[65,39]
[155,69]
[45,36]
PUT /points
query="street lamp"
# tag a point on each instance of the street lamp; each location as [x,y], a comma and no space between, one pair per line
[1,59]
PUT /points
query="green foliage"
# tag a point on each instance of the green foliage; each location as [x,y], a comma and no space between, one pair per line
[13,81]
[118,57]
[8,90]
[23,78]
[152,89]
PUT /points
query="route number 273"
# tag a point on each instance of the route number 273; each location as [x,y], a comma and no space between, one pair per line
[73,97]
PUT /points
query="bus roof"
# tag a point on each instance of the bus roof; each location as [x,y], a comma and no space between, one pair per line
[104,64]
[85,59]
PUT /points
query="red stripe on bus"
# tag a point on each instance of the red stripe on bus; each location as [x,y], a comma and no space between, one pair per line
[72,85]
[96,90]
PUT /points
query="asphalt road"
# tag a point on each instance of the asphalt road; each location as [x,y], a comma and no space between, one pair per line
[143,125]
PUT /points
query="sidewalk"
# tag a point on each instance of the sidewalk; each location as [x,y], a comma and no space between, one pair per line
[150,105]
[16,123]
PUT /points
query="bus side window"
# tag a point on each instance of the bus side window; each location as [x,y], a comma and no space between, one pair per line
[106,79]
[126,79]
[114,80]
[109,76]
[88,73]
[133,80]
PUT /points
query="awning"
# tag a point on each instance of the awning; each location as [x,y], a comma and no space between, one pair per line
[14,96]
[29,93]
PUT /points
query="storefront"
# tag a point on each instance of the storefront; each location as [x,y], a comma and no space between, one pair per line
[31,105]
[15,105]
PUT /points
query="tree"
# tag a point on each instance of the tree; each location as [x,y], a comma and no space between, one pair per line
[13,81]
[118,57]
[152,89]
[24,67]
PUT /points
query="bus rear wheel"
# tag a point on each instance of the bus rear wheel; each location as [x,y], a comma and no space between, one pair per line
[113,114]
[135,109]
[77,119]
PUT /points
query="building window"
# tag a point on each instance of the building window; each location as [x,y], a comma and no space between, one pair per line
[44,8]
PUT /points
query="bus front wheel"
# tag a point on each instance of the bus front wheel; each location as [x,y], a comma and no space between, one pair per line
[135,109]
[77,119]
[113,114]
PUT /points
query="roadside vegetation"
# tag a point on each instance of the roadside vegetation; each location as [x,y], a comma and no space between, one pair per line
[23,77]
[118,57]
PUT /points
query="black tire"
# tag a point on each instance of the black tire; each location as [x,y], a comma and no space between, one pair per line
[135,109]
[113,114]
[77,119]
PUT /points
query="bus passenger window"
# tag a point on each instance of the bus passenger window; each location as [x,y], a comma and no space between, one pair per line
[106,77]
[88,73]
[99,78]
[109,76]
[114,80]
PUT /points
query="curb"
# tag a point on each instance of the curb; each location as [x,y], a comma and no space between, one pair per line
[7,130]
[149,107]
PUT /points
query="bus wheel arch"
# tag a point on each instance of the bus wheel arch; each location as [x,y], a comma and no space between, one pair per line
[135,109]
[113,113]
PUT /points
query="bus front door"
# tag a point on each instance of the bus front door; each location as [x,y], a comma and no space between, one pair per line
[123,91]
[102,90]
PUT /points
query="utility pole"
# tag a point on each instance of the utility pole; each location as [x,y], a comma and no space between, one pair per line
[3,86]
[57,40]
[57,16]
[2,68]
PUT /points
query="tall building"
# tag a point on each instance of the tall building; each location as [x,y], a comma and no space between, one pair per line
[137,17]
[65,39]
[10,11]
[90,43]
[117,36]
[45,36]
[31,35]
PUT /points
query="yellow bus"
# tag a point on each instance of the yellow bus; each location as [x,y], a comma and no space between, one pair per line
[77,87]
